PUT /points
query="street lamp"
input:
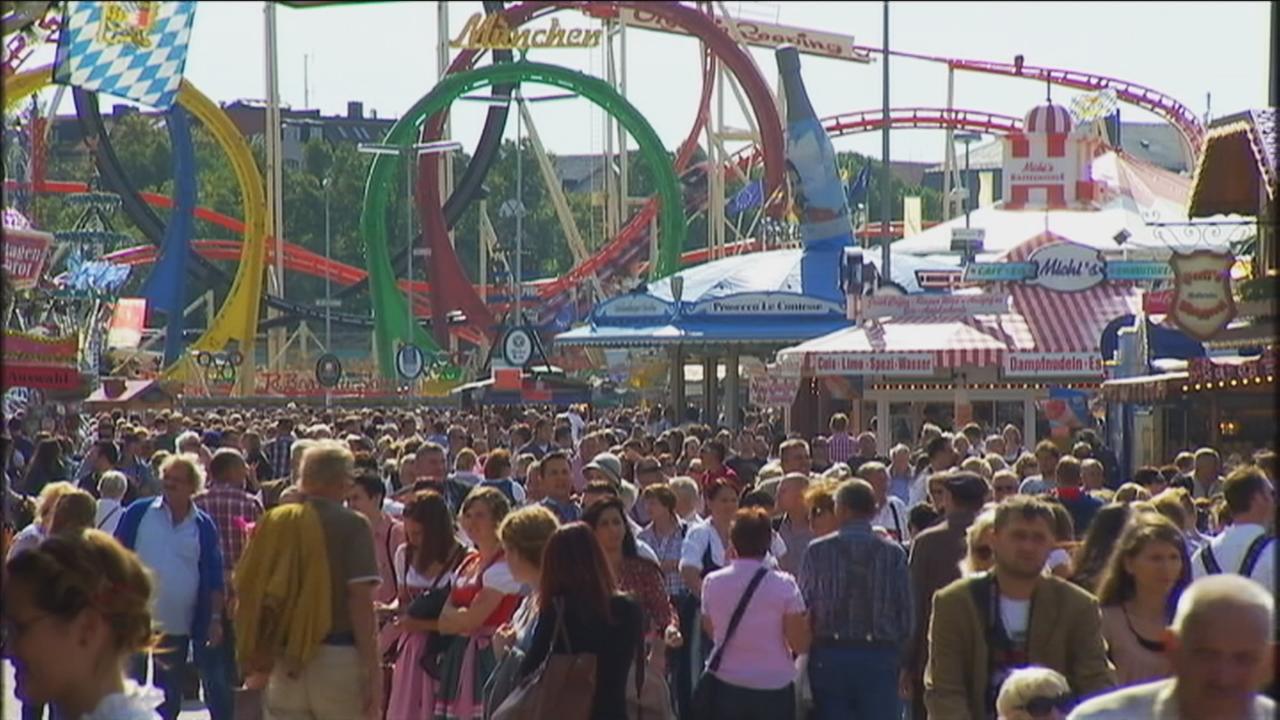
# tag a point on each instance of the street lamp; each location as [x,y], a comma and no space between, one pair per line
[967,138]
[518,210]
[409,154]
[328,280]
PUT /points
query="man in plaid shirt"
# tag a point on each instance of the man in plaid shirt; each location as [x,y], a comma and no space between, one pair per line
[277,451]
[232,510]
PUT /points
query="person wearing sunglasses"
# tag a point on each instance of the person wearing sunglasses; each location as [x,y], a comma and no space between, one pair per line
[1034,693]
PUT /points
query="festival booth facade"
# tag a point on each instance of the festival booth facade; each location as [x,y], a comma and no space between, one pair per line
[1018,340]
[1023,352]
[1228,305]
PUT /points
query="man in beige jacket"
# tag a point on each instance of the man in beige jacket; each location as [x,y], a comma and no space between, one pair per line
[984,627]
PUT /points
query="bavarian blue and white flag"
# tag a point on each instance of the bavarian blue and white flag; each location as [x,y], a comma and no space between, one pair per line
[134,50]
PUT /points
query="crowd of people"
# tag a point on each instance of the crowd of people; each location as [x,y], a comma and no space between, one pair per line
[395,565]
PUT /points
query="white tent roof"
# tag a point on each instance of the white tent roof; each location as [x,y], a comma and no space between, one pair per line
[1134,195]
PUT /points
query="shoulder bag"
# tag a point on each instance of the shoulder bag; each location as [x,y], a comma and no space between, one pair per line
[428,606]
[562,688]
[704,695]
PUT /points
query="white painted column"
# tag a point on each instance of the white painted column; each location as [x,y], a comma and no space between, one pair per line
[884,427]
[1029,438]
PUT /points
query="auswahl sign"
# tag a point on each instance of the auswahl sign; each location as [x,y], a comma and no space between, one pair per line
[1046,364]
[763,34]
[492,32]
[908,306]
[766,305]
[917,364]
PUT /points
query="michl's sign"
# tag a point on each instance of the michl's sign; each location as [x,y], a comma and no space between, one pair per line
[492,32]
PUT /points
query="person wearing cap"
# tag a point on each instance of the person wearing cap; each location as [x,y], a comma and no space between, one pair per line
[984,627]
[934,563]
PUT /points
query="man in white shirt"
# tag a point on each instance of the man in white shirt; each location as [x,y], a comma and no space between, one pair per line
[891,513]
[1244,548]
[1220,646]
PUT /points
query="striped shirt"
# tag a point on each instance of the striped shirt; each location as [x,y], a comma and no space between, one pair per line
[857,587]
[840,447]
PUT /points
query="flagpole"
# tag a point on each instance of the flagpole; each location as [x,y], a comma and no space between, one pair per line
[886,197]
[275,178]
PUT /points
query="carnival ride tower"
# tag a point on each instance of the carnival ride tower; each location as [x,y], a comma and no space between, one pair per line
[816,190]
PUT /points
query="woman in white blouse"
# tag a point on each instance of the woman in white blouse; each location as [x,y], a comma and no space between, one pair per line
[422,564]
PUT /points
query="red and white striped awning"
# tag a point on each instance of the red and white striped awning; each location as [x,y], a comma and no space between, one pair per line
[1068,321]
[978,341]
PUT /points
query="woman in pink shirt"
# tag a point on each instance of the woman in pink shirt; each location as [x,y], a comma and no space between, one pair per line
[753,667]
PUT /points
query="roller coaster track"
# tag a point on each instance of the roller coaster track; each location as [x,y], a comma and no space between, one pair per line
[626,245]
[1150,99]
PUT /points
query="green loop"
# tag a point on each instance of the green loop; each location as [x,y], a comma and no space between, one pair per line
[390,307]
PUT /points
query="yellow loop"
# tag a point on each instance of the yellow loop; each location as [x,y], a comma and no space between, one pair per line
[237,319]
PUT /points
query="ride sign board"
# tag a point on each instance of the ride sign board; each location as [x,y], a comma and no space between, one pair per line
[410,362]
[328,370]
[1050,364]
[760,34]
[493,32]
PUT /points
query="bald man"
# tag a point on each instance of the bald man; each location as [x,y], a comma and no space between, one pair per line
[1221,650]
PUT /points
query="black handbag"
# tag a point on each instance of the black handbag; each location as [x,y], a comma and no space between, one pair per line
[428,606]
[704,695]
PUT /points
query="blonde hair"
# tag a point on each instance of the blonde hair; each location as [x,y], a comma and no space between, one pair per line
[977,465]
[821,495]
[67,574]
[1023,685]
[526,532]
[328,463]
[112,484]
[75,511]
[986,520]
[48,498]
[193,466]
[1131,492]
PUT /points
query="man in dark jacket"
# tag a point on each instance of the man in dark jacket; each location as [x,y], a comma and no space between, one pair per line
[934,563]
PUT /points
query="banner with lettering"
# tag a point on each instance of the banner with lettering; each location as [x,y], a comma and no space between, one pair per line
[25,252]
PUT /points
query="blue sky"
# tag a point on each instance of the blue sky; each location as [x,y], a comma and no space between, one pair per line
[384,54]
